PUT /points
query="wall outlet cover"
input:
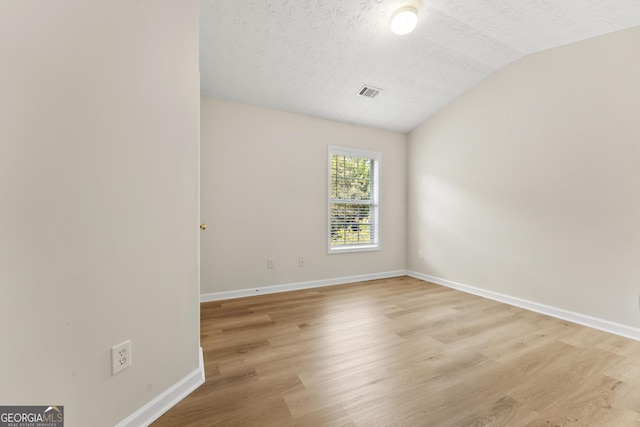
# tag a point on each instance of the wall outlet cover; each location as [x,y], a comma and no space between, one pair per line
[120,357]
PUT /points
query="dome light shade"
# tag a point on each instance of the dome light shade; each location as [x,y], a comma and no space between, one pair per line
[404,20]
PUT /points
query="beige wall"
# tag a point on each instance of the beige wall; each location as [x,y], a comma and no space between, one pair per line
[98,202]
[529,184]
[264,190]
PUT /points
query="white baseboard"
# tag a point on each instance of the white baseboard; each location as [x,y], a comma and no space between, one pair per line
[167,400]
[581,319]
[219,296]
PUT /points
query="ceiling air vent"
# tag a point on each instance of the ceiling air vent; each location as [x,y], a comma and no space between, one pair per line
[369,91]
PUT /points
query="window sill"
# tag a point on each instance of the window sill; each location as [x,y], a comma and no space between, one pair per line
[351,249]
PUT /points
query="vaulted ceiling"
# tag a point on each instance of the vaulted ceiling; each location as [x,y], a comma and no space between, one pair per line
[313,56]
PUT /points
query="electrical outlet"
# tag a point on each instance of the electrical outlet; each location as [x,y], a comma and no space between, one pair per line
[301,262]
[420,254]
[270,263]
[120,357]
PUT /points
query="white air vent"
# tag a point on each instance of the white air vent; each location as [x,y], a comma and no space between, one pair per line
[369,91]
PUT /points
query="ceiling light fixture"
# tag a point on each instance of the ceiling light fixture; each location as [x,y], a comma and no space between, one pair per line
[404,20]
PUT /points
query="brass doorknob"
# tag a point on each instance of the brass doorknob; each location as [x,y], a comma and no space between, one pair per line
[203,226]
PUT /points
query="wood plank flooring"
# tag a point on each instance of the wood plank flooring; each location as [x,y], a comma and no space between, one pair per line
[404,352]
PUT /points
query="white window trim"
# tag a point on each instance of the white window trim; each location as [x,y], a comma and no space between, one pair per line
[377,157]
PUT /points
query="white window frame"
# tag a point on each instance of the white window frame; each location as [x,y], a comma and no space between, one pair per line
[375,199]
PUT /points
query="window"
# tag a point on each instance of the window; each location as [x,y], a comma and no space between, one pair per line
[354,218]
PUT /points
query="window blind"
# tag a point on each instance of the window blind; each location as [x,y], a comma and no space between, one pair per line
[353,199]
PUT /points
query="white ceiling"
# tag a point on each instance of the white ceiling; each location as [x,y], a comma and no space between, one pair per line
[312,56]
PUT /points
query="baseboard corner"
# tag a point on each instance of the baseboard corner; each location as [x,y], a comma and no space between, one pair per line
[167,399]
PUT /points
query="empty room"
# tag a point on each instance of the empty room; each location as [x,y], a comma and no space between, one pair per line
[320,213]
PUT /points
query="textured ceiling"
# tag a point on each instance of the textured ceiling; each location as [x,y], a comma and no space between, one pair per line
[312,56]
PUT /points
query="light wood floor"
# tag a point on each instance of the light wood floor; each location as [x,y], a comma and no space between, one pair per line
[404,352]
